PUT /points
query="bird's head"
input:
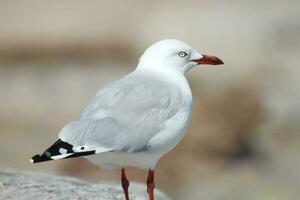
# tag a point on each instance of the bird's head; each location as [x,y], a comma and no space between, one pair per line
[171,54]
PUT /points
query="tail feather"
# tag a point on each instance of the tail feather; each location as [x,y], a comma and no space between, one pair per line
[59,150]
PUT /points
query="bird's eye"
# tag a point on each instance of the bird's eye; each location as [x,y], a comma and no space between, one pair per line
[182,54]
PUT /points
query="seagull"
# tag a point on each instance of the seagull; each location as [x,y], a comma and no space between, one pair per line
[134,121]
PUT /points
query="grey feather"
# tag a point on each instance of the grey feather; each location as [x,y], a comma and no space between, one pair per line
[125,114]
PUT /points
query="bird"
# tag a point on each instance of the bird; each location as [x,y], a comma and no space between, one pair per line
[135,120]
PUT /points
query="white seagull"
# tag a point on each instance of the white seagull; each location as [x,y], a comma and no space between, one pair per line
[137,119]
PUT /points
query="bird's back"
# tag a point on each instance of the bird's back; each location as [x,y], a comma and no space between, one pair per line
[126,114]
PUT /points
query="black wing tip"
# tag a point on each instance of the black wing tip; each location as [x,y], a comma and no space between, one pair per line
[35,158]
[39,158]
[54,150]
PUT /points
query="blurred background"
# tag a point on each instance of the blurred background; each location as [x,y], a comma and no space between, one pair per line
[244,137]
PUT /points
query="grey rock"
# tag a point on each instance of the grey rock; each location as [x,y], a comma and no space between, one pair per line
[34,186]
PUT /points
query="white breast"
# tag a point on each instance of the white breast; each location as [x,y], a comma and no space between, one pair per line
[175,128]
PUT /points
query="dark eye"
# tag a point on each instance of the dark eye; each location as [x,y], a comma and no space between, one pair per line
[182,54]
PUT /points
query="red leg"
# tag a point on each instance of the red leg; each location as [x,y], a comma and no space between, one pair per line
[150,184]
[125,183]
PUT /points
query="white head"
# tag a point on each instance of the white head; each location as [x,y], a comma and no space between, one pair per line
[171,54]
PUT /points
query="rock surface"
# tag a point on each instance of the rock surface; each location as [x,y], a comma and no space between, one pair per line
[30,185]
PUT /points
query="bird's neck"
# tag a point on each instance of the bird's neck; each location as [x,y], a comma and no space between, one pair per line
[173,76]
[166,72]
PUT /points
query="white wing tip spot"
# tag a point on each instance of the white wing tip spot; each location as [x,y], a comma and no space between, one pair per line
[62,151]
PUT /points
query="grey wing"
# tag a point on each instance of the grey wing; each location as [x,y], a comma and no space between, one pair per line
[124,115]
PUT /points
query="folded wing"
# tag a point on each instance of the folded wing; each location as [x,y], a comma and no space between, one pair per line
[123,116]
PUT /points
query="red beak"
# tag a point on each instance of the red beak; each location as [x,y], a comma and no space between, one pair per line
[209,60]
